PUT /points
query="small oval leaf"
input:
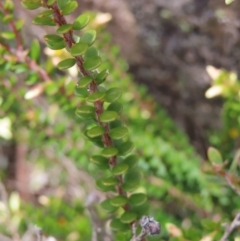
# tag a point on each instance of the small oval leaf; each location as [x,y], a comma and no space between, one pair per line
[125,148]
[81,22]
[128,217]
[100,161]
[64,28]
[102,187]
[109,151]
[214,156]
[107,206]
[81,92]
[89,37]
[131,161]
[69,8]
[118,133]
[117,225]
[47,20]
[84,82]
[137,199]
[119,169]
[28,4]
[92,63]
[118,201]
[95,131]
[112,95]
[131,186]
[101,77]
[66,63]
[78,49]
[95,97]
[116,106]
[110,181]
[108,116]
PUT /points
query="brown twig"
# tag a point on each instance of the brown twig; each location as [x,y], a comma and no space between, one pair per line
[230,179]
[230,228]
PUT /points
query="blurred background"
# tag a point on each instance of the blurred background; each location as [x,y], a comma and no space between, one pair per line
[177,63]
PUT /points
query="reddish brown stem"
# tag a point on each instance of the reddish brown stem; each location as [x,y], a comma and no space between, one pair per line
[14,29]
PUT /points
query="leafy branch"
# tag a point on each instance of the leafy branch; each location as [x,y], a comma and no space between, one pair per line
[109,133]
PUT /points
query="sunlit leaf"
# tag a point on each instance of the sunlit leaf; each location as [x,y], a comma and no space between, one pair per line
[109,151]
[81,22]
[78,49]
[89,37]
[214,156]
[66,63]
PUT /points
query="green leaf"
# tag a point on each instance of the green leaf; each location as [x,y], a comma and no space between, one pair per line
[89,37]
[108,116]
[45,13]
[229,1]
[56,46]
[8,5]
[31,4]
[118,133]
[78,49]
[69,8]
[81,92]
[53,38]
[132,175]
[62,3]
[48,20]
[91,52]
[92,63]
[101,77]
[51,88]
[119,169]
[112,95]
[117,225]
[7,35]
[35,50]
[110,181]
[50,2]
[100,161]
[102,187]
[64,28]
[97,141]
[19,24]
[214,156]
[131,186]
[125,148]
[118,201]
[141,209]
[131,161]
[137,199]
[116,106]
[107,206]
[66,63]
[95,131]
[95,97]
[85,109]
[84,82]
[7,18]
[109,151]
[81,22]
[54,42]
[128,217]
[131,180]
